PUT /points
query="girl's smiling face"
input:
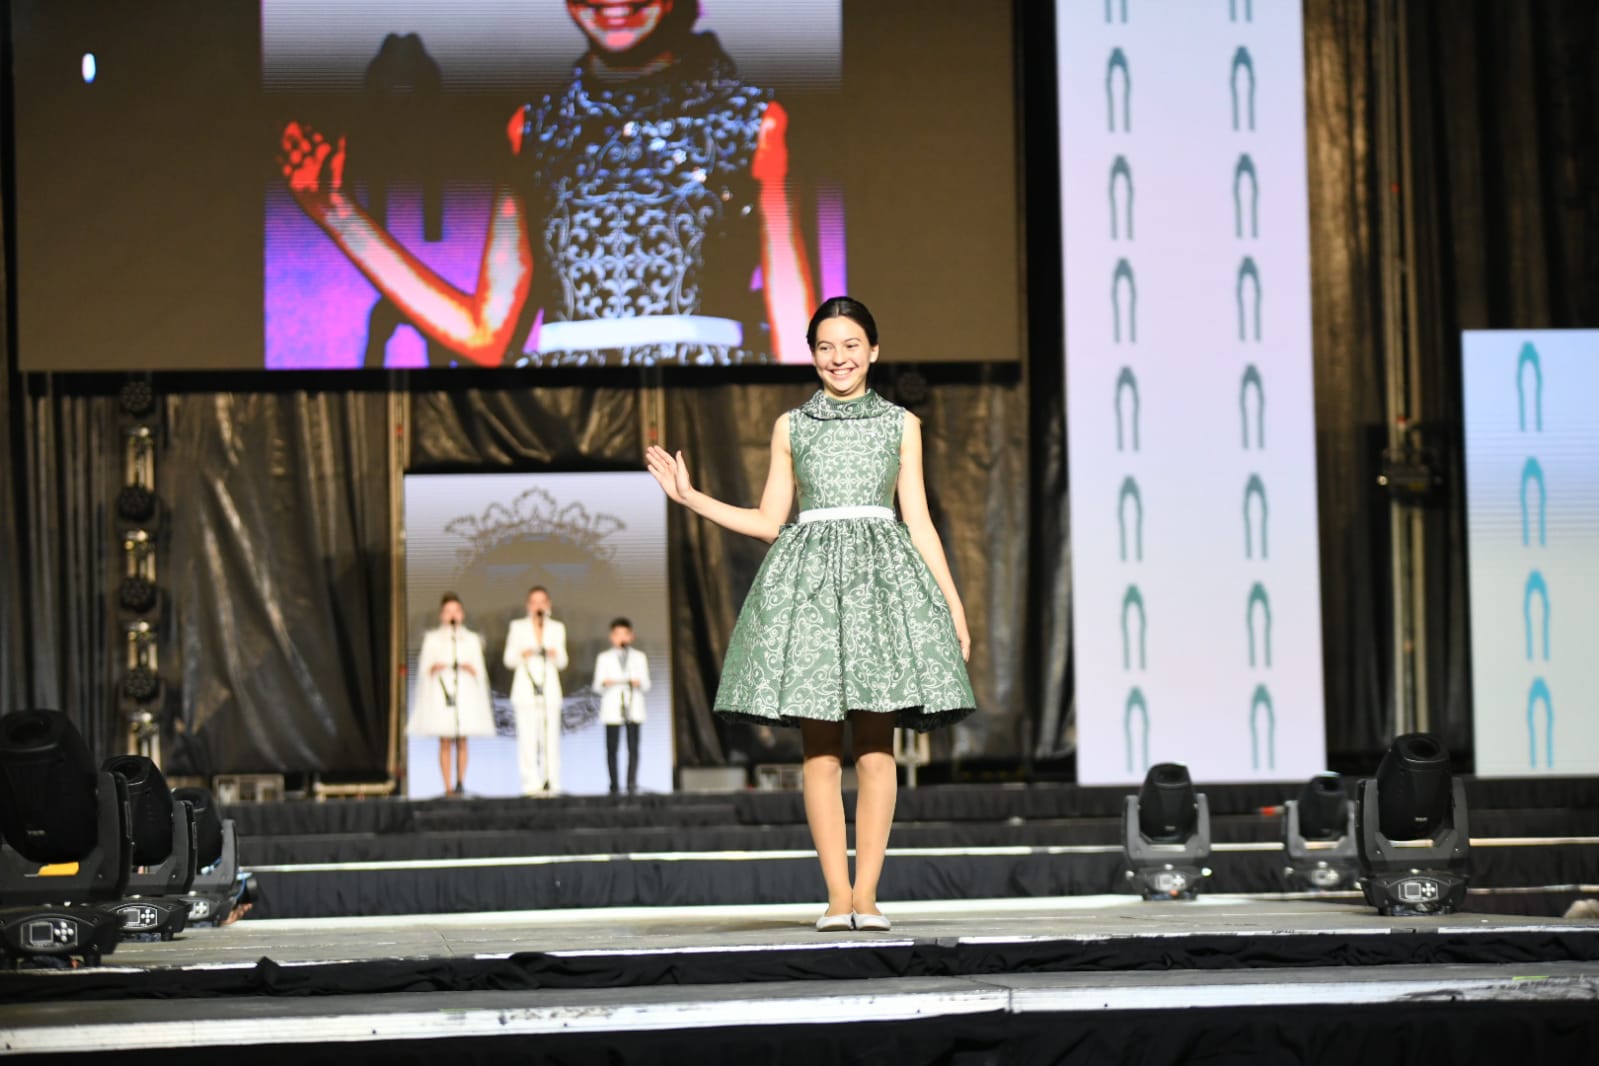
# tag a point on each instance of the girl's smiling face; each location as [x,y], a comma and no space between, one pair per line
[842,355]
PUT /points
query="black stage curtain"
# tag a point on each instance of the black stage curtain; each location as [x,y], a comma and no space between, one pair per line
[279,570]
[278,557]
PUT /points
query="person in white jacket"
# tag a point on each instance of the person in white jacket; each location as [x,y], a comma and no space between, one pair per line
[622,676]
[535,652]
[452,692]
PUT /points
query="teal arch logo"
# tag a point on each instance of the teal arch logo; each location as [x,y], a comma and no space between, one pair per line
[1129,492]
[1249,10]
[1247,271]
[1128,383]
[1254,488]
[1261,712]
[1135,724]
[1121,175]
[1536,586]
[1529,358]
[1111,3]
[1246,169]
[1252,377]
[1532,474]
[1131,599]
[1124,273]
[1243,63]
[1118,64]
[1538,696]
[1257,597]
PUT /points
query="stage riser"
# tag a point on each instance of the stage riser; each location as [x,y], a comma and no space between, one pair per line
[451,889]
[950,803]
[483,842]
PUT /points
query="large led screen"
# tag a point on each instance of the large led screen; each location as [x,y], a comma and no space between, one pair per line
[1190,422]
[344,184]
[1532,527]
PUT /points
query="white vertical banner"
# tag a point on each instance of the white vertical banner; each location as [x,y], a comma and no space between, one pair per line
[1532,529]
[1190,417]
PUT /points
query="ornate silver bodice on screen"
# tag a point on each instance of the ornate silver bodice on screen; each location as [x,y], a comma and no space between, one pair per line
[642,206]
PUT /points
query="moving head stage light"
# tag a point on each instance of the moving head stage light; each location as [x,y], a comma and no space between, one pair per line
[68,841]
[1166,835]
[1319,837]
[1415,844]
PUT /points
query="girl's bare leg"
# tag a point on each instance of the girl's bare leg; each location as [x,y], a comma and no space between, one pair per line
[824,808]
[877,782]
[445,744]
[460,762]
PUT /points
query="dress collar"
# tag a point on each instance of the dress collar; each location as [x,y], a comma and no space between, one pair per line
[825,408]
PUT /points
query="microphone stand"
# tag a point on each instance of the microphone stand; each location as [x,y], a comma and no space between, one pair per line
[455,669]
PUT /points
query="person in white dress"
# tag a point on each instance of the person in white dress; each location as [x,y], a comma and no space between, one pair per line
[535,652]
[622,676]
[452,693]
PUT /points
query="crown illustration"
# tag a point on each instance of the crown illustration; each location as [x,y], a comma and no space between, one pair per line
[535,514]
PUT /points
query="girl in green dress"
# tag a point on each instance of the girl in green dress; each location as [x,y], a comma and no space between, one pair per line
[853,615]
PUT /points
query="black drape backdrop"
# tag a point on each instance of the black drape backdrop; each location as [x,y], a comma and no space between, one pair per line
[277,548]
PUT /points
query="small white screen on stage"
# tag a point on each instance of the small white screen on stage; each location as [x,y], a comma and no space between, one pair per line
[597,542]
[1532,528]
[1190,417]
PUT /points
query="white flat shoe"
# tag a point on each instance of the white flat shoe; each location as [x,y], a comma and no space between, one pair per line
[835,923]
[875,923]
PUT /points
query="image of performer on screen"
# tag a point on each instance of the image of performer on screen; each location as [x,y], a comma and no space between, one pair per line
[648,203]
[452,694]
[535,652]
[622,677]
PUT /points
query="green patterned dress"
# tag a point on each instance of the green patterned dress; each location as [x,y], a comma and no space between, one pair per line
[844,614]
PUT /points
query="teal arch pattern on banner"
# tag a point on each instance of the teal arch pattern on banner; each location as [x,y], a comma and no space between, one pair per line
[1135,723]
[1252,377]
[1134,598]
[1536,696]
[1247,271]
[1254,488]
[1126,382]
[1246,168]
[1118,63]
[1124,272]
[1243,63]
[1129,501]
[1262,712]
[1130,494]
[1529,358]
[1537,587]
[1249,298]
[1532,473]
[1121,175]
[1257,596]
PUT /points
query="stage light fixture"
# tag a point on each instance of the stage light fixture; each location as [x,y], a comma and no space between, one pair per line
[217,886]
[1412,832]
[1166,835]
[1319,837]
[55,808]
[164,851]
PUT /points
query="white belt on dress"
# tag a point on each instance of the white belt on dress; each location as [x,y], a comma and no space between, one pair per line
[834,514]
[637,331]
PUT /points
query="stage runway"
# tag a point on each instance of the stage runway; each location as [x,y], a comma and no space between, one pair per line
[634,970]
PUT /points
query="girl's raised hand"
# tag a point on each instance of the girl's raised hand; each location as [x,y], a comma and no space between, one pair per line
[670,471]
[312,166]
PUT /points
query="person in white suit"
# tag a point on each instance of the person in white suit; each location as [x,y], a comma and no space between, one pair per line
[535,652]
[452,693]
[622,676]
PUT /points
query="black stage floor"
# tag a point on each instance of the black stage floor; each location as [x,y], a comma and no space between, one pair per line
[486,985]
